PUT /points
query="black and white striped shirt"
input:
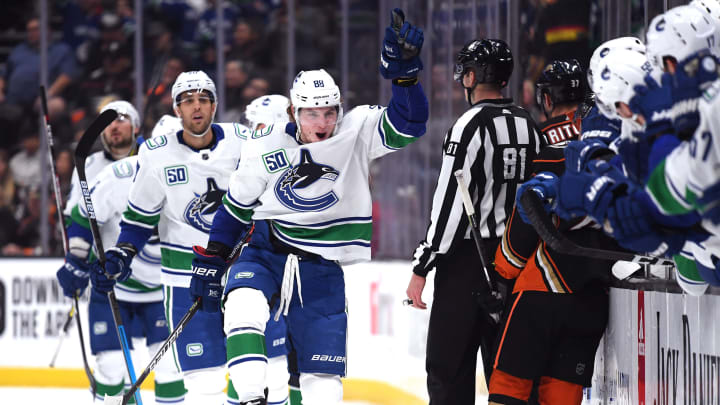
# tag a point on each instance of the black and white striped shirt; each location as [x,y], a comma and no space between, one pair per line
[494,143]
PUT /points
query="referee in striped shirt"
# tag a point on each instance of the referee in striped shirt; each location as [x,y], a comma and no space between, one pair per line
[494,143]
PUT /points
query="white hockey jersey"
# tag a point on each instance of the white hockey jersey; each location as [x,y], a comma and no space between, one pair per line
[179,188]
[316,194]
[692,167]
[109,192]
[93,164]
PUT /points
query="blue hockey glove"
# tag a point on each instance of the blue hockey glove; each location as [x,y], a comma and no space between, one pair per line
[117,268]
[710,275]
[73,276]
[544,184]
[692,76]
[589,192]
[654,102]
[401,48]
[635,154]
[578,153]
[629,222]
[207,272]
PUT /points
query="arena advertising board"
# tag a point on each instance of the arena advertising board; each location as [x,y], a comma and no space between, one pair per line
[659,349]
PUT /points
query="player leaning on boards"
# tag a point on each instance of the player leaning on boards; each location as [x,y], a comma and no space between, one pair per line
[493,143]
[559,304]
[309,181]
[179,184]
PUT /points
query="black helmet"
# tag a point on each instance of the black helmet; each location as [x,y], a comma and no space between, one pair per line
[491,60]
[563,81]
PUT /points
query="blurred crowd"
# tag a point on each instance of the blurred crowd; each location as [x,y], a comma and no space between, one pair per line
[90,62]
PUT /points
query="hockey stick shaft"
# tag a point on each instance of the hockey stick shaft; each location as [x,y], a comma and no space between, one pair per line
[88,372]
[544,226]
[58,205]
[51,161]
[474,226]
[81,154]
[167,344]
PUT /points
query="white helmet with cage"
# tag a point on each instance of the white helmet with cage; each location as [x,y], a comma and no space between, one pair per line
[125,111]
[627,43]
[267,109]
[315,88]
[195,80]
[679,33]
[615,78]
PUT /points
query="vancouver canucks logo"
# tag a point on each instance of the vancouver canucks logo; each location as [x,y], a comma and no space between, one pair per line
[201,209]
[288,188]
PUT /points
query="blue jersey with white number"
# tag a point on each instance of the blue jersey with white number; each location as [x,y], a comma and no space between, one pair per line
[179,189]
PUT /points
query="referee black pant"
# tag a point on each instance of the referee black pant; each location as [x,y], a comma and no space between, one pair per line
[458,326]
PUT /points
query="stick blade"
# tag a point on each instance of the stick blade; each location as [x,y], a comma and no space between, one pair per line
[116,400]
[91,134]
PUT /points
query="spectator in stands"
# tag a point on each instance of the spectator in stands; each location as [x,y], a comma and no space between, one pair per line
[111,70]
[21,78]
[159,99]
[256,87]
[63,169]
[81,25]
[7,201]
[26,166]
[248,44]
[236,78]
[207,23]
[26,238]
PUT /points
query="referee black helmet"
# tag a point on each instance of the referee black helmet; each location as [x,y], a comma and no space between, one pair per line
[490,59]
[563,81]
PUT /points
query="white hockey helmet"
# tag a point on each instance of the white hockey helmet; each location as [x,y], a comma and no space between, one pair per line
[267,109]
[125,110]
[315,88]
[615,78]
[196,80]
[627,43]
[710,8]
[167,125]
[679,33]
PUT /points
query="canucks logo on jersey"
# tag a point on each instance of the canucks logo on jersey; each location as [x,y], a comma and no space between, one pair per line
[305,174]
[201,209]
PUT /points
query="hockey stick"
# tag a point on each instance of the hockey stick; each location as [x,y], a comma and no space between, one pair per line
[58,205]
[81,153]
[475,231]
[167,344]
[544,226]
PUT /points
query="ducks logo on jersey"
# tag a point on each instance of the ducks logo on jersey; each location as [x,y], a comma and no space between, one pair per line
[288,188]
[201,209]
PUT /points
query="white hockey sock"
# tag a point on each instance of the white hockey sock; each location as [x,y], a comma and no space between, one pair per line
[321,389]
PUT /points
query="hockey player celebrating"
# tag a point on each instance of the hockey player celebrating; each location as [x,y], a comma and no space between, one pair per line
[178,187]
[265,110]
[140,297]
[309,181]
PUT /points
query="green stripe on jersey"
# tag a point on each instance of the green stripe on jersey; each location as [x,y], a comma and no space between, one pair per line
[135,285]
[335,233]
[661,194]
[393,137]
[687,268]
[133,216]
[78,218]
[242,214]
[175,259]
